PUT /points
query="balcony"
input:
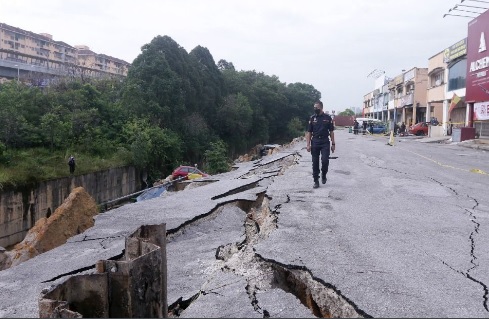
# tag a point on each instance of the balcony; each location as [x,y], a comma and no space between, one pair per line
[407,99]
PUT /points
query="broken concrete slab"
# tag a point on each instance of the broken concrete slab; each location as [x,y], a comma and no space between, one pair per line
[225,297]
[74,216]
[276,303]
[192,264]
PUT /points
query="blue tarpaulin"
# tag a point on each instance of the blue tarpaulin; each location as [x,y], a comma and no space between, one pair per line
[151,193]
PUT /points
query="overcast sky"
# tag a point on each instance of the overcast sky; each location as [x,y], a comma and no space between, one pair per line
[333,46]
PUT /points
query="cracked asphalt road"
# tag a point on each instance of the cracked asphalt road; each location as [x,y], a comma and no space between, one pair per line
[398,231]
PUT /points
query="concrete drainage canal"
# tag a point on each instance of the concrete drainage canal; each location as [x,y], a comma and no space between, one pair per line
[271,289]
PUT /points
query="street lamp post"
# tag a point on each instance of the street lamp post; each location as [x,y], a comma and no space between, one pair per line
[17,73]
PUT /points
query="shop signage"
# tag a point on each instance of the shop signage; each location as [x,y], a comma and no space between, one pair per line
[477,82]
[455,51]
[481,111]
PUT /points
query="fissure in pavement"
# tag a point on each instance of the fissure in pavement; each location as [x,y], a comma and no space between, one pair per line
[239,258]
[472,235]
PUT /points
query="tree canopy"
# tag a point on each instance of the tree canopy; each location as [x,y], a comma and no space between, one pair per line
[172,108]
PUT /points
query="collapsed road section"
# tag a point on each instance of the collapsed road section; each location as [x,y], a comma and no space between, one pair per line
[211,233]
[47,272]
[258,287]
[259,241]
[204,279]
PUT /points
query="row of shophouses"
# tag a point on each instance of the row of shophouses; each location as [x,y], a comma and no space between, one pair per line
[453,89]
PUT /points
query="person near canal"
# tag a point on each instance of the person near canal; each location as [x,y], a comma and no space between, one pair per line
[320,140]
[71,164]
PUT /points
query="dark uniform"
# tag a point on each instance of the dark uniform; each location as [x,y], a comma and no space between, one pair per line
[71,163]
[355,127]
[320,127]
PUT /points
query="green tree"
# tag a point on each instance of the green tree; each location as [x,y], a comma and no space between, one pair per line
[295,128]
[197,135]
[12,120]
[209,84]
[347,112]
[154,149]
[153,88]
[235,121]
[52,128]
[225,65]
[216,160]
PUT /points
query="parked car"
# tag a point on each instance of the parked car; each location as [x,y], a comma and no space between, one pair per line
[419,129]
[360,121]
[184,171]
[379,129]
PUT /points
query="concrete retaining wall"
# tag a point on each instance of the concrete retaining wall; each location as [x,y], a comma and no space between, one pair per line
[21,208]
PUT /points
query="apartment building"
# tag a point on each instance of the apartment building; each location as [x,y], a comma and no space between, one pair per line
[95,63]
[24,54]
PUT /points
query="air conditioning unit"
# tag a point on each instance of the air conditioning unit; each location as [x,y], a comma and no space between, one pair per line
[438,82]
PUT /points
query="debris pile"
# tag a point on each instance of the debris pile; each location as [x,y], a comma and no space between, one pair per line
[73,217]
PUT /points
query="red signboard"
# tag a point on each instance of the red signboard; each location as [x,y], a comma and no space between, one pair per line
[477,89]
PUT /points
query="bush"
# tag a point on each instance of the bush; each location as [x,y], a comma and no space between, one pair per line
[216,160]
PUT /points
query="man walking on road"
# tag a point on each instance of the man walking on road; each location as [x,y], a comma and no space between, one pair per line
[319,132]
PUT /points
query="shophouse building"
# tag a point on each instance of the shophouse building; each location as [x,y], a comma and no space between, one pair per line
[446,87]
[454,89]
[400,99]
[381,98]
[375,102]
[435,95]
[368,102]
[477,85]
[26,55]
[455,111]
[395,88]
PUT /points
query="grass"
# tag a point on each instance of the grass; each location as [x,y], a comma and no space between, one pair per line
[28,166]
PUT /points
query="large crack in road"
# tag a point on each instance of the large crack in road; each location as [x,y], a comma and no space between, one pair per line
[318,298]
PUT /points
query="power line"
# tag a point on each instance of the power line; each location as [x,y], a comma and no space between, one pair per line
[375,73]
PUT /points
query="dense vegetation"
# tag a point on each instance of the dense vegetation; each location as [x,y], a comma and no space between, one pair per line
[173,108]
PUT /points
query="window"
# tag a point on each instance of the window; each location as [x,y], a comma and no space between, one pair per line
[436,79]
[457,75]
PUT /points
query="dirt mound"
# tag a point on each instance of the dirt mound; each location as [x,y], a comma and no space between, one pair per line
[73,217]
